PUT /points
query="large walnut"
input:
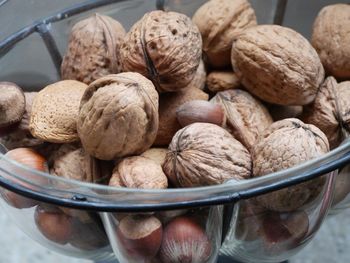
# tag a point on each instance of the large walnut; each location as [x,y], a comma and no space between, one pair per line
[93,49]
[219,22]
[118,116]
[285,144]
[246,117]
[278,65]
[331,110]
[331,39]
[165,47]
[205,154]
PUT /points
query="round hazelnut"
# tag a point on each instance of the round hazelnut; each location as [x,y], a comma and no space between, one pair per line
[330,38]
[222,80]
[55,112]
[156,154]
[278,65]
[219,22]
[93,49]
[165,47]
[204,154]
[118,116]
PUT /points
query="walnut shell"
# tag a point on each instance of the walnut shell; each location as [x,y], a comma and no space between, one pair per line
[165,47]
[222,80]
[204,154]
[93,49]
[139,172]
[156,154]
[331,39]
[219,22]
[199,78]
[168,104]
[278,65]
[55,111]
[246,117]
[118,116]
[285,144]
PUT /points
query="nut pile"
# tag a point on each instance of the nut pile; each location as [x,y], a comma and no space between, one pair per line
[124,94]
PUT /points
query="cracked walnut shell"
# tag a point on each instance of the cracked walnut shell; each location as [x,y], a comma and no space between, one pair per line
[204,154]
[278,65]
[165,47]
[118,116]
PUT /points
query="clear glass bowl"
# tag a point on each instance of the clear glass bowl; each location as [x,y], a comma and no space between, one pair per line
[87,220]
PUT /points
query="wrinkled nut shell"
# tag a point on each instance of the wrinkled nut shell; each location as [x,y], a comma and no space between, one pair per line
[156,154]
[139,172]
[165,47]
[219,22]
[93,49]
[55,112]
[331,39]
[200,77]
[278,65]
[222,80]
[285,144]
[205,154]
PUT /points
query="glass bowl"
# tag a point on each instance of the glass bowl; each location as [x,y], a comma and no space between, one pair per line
[223,222]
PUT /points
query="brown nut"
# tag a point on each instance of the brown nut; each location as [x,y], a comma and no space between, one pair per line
[200,77]
[184,241]
[278,65]
[93,49]
[285,144]
[279,112]
[330,38]
[222,80]
[139,172]
[342,186]
[219,22]
[156,154]
[55,112]
[246,117]
[331,111]
[118,116]
[12,104]
[165,47]
[140,236]
[205,154]
[168,104]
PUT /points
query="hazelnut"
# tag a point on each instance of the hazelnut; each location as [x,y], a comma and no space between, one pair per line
[168,104]
[204,154]
[156,154]
[118,116]
[138,172]
[219,22]
[165,47]
[184,241]
[278,65]
[330,38]
[285,144]
[55,111]
[93,49]
[222,80]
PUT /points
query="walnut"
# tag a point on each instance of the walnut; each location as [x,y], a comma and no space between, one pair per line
[139,172]
[279,112]
[219,22]
[200,77]
[168,104]
[222,80]
[285,144]
[330,110]
[93,49]
[55,111]
[246,117]
[156,154]
[278,65]
[204,154]
[331,39]
[118,116]
[165,47]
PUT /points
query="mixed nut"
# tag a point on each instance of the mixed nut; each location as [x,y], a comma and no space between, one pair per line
[123,94]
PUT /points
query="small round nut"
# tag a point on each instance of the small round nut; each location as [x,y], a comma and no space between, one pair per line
[165,47]
[93,49]
[204,154]
[285,144]
[219,22]
[156,154]
[118,116]
[222,80]
[331,39]
[55,112]
[138,172]
[278,65]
